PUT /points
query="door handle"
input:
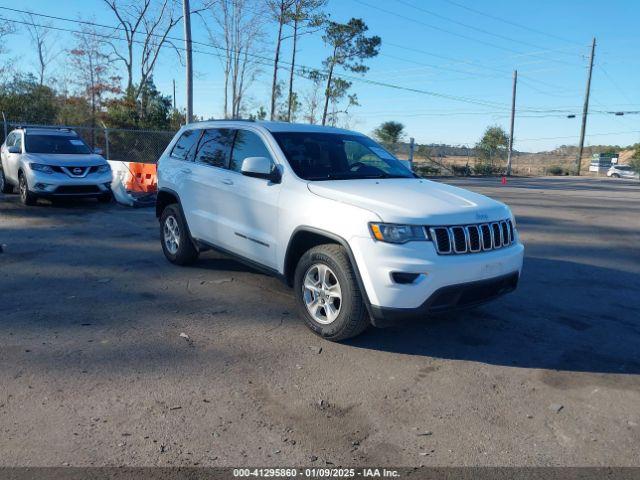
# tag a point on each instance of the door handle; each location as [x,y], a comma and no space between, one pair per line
[227,181]
[185,170]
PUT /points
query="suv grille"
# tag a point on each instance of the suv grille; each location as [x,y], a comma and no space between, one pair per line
[475,238]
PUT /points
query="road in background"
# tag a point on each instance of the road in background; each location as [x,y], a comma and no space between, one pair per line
[112,356]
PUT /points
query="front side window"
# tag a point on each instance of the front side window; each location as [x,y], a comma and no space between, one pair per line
[247,144]
[335,156]
[56,144]
[214,147]
[186,145]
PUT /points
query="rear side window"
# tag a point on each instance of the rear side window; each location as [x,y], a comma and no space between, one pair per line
[247,144]
[186,145]
[215,146]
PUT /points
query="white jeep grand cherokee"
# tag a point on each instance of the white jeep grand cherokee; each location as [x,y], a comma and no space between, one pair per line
[359,237]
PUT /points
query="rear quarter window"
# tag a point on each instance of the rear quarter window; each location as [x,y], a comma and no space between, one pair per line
[185,147]
[214,147]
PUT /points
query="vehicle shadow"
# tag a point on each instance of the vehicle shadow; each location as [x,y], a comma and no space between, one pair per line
[564,316]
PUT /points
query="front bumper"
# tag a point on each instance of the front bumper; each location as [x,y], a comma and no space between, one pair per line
[377,261]
[445,299]
[50,185]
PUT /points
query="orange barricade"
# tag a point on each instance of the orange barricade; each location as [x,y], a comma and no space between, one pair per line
[142,178]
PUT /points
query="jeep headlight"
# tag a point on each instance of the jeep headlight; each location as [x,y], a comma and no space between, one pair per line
[394,233]
[38,167]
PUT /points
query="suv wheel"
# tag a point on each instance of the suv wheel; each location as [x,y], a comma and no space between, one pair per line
[615,175]
[327,293]
[26,197]
[5,187]
[176,244]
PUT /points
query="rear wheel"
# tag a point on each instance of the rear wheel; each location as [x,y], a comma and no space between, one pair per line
[5,187]
[26,197]
[327,293]
[176,244]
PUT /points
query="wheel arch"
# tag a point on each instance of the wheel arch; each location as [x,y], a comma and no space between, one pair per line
[305,238]
[168,197]
[165,198]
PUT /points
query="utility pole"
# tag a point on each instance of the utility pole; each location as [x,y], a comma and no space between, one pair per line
[585,109]
[513,117]
[174,94]
[186,12]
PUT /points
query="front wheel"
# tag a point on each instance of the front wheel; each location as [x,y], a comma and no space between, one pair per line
[5,187]
[176,244]
[327,293]
[615,175]
[26,197]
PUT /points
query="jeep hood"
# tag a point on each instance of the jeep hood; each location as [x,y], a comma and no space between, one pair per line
[62,160]
[412,200]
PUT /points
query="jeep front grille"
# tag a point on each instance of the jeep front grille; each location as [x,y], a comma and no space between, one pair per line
[482,237]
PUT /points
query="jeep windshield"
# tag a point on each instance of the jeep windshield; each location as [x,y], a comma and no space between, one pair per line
[55,144]
[335,156]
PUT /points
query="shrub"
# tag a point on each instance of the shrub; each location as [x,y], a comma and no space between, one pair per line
[485,169]
[555,170]
[462,170]
[426,170]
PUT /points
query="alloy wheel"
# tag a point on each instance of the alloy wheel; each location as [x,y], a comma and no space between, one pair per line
[322,293]
[171,234]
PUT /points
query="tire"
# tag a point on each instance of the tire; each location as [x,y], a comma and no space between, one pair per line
[174,237]
[26,197]
[334,319]
[106,198]
[5,187]
[615,175]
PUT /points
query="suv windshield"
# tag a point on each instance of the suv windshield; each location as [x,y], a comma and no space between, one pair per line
[61,144]
[335,156]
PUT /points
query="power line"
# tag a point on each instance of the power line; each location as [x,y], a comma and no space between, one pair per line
[510,22]
[300,69]
[471,27]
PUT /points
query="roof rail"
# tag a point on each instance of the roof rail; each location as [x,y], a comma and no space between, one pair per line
[224,120]
[44,127]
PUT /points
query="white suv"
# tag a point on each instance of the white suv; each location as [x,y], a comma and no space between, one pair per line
[360,238]
[622,171]
[52,163]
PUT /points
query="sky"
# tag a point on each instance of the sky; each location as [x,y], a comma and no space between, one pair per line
[445,68]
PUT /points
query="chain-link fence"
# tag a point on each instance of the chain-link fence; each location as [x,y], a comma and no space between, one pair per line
[129,145]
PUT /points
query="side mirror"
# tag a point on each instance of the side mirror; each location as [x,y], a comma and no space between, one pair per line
[260,167]
[98,151]
[14,149]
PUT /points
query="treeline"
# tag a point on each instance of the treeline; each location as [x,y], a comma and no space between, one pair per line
[99,75]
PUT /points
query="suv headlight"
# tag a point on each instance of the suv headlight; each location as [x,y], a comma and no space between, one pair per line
[104,168]
[394,233]
[39,167]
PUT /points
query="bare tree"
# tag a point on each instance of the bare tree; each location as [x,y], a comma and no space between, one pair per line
[312,97]
[148,24]
[239,28]
[282,12]
[93,70]
[44,43]
[6,28]
[304,20]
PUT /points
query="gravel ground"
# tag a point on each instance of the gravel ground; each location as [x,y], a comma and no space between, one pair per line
[111,356]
